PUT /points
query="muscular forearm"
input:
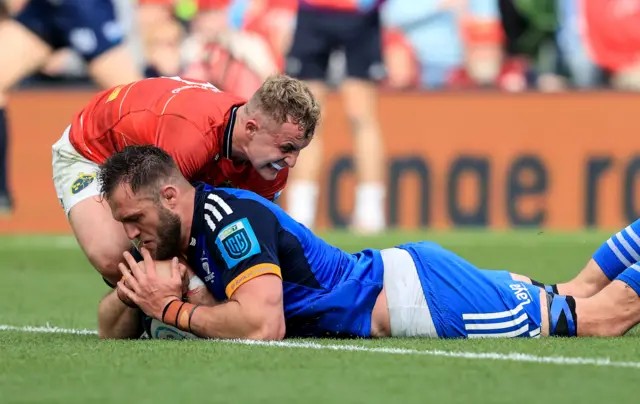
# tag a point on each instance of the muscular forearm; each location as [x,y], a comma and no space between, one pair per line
[232,320]
[116,320]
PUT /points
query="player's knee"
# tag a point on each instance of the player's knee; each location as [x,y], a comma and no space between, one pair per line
[615,330]
[606,328]
[605,315]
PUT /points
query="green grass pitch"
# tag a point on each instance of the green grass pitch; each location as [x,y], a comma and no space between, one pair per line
[47,281]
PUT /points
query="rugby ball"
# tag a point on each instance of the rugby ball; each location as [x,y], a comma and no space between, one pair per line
[156,329]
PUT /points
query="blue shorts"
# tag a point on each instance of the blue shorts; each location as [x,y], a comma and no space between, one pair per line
[468,302]
[87,26]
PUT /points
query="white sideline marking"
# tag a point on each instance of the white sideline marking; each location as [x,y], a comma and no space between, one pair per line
[47,330]
[510,357]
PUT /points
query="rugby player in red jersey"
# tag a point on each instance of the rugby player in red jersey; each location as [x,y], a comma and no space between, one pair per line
[213,136]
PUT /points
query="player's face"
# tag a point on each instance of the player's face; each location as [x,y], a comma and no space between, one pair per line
[156,228]
[168,235]
[273,148]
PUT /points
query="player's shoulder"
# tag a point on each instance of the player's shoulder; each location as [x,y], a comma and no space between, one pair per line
[198,101]
[180,85]
[175,85]
[242,201]
[235,223]
[222,206]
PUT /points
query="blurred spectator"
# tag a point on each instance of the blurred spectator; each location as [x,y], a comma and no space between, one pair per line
[613,33]
[583,71]
[431,27]
[4,10]
[162,42]
[161,35]
[442,43]
[352,28]
[244,48]
[38,28]
[482,38]
[512,45]
[530,27]
[273,20]
[10,7]
[403,67]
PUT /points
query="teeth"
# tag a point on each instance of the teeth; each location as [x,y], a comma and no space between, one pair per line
[276,166]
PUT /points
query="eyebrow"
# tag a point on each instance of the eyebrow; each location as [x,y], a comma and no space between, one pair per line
[130,216]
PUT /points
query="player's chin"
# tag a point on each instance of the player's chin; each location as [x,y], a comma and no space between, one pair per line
[268,172]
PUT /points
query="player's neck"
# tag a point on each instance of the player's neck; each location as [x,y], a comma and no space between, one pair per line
[239,143]
[239,138]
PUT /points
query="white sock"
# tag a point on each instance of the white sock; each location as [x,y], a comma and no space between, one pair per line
[369,210]
[302,201]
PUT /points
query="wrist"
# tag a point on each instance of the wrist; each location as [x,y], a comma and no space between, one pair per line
[178,314]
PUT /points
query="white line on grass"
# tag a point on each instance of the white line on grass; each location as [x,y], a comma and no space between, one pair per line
[510,357]
[47,330]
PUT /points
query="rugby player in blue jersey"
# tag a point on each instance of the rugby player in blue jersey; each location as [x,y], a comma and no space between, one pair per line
[273,278]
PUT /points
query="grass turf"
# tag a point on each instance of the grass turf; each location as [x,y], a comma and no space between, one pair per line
[46,280]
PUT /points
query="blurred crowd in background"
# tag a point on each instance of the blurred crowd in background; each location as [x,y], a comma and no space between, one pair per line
[358,46]
[512,45]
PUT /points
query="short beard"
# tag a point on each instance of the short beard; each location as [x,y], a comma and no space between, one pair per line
[169,231]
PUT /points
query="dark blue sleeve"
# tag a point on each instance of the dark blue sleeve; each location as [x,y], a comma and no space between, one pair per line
[242,239]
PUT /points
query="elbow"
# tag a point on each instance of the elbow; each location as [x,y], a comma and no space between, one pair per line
[271,330]
[107,333]
[103,334]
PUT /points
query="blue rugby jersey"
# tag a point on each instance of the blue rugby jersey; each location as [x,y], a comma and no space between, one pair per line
[237,235]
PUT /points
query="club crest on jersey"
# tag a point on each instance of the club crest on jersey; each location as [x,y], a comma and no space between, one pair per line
[83,181]
[237,242]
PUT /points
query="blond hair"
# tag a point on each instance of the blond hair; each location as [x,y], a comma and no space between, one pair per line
[286,99]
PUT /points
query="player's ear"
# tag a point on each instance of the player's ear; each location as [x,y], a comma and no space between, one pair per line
[251,128]
[169,195]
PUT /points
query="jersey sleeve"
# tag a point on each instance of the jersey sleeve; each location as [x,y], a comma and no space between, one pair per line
[189,146]
[244,243]
[620,251]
